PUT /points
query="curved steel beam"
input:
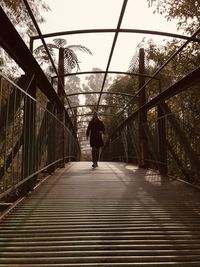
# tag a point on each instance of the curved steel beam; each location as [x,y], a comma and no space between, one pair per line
[81,132]
[81,129]
[103,72]
[91,114]
[98,92]
[93,105]
[140,31]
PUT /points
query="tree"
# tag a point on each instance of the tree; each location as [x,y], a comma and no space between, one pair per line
[67,58]
[187,15]
[73,85]
[186,11]
[18,15]
[94,83]
[185,106]
[125,84]
[70,58]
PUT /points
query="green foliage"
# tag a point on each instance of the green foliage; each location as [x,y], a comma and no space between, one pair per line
[122,84]
[18,14]
[73,85]
[187,12]
[183,63]
[184,106]
[43,59]
[93,83]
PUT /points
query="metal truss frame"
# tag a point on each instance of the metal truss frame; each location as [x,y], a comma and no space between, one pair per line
[25,60]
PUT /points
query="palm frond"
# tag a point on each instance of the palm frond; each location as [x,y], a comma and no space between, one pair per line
[80,48]
[59,42]
[52,46]
[134,63]
[41,48]
[71,60]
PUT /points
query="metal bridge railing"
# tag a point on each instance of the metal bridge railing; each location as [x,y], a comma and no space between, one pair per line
[30,140]
[171,133]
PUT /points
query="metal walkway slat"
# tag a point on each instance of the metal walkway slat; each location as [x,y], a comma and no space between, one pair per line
[114,215]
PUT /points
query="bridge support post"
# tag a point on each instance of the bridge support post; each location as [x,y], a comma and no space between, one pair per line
[142,116]
[61,113]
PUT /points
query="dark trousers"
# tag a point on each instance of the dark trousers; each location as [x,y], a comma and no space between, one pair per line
[95,154]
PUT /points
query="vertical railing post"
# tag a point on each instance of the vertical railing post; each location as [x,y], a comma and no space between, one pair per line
[29,138]
[129,145]
[143,146]
[125,145]
[51,140]
[67,139]
[162,141]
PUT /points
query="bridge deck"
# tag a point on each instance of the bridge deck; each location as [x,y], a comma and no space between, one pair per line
[114,215]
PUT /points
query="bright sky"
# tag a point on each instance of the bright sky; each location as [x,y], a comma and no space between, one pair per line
[95,14]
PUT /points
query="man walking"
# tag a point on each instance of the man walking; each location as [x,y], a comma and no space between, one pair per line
[94,130]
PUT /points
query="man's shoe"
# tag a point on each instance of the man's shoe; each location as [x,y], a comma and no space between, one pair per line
[93,165]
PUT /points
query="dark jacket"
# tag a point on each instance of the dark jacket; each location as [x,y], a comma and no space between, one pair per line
[95,127]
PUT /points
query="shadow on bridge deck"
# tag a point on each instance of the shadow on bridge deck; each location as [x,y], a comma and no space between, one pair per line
[114,215]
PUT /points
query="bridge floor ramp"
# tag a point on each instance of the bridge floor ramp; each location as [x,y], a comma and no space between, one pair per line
[114,215]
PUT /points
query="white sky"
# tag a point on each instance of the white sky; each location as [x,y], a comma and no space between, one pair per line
[95,14]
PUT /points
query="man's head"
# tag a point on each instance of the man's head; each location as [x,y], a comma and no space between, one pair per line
[95,114]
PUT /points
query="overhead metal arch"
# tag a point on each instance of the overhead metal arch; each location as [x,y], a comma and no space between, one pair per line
[85,31]
[98,92]
[82,121]
[81,133]
[94,105]
[82,127]
[91,114]
[103,72]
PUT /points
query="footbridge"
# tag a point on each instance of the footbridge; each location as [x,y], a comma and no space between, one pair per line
[141,205]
